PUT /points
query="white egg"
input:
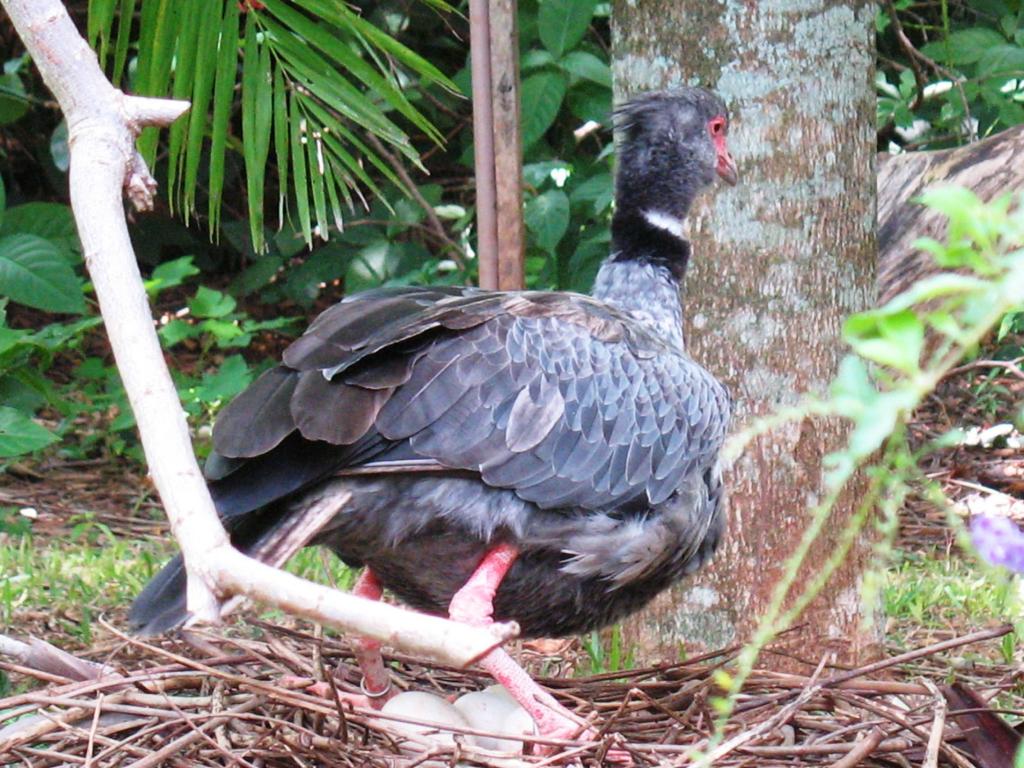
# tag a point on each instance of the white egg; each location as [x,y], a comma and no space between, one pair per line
[500,690]
[519,723]
[496,712]
[428,708]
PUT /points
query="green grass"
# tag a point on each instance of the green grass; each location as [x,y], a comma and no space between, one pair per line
[937,592]
[954,593]
[65,585]
[317,564]
[606,652]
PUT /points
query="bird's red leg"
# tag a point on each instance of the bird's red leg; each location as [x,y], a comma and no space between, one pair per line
[474,604]
[376,683]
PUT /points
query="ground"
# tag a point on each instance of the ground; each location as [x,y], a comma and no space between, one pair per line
[78,539]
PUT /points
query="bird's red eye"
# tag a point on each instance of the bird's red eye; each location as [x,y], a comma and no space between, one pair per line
[717,126]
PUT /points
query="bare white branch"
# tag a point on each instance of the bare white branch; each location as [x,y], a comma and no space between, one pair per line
[141,112]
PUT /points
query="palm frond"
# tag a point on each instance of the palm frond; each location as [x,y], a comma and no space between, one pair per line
[310,77]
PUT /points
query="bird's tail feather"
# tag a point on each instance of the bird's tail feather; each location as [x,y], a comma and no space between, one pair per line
[160,607]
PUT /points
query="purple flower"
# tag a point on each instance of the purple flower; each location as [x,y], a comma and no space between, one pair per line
[999,541]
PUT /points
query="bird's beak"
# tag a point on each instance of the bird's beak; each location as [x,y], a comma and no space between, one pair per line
[726,167]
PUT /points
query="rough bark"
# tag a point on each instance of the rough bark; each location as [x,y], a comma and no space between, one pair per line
[990,168]
[779,262]
[102,126]
[497,148]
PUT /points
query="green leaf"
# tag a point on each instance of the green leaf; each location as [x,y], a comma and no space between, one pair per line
[325,264]
[298,151]
[341,14]
[935,286]
[587,66]
[20,435]
[598,190]
[100,25]
[372,265]
[281,136]
[170,274]
[210,303]
[542,96]
[874,425]
[160,22]
[306,65]
[10,338]
[178,330]
[226,333]
[35,273]
[19,391]
[852,388]
[53,336]
[547,217]
[3,202]
[450,211]
[186,59]
[51,221]
[202,90]
[1002,59]
[124,32]
[318,168]
[60,150]
[256,275]
[1012,322]
[223,98]
[330,137]
[562,23]
[586,259]
[316,34]
[590,101]
[896,339]
[13,100]
[535,59]
[257,113]
[536,174]
[232,377]
[964,46]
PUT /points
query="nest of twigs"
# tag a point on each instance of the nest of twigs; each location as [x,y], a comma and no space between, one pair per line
[238,699]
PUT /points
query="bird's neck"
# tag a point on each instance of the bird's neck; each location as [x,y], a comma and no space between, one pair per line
[644,273]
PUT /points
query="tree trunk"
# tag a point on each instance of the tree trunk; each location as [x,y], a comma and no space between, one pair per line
[779,262]
[989,168]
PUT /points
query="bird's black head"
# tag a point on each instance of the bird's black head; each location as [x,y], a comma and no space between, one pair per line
[672,145]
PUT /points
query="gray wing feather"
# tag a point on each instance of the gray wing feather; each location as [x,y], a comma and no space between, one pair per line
[555,396]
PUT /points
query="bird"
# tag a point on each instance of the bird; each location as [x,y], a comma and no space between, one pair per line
[543,457]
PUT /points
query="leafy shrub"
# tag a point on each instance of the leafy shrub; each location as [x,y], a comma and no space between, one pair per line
[948,72]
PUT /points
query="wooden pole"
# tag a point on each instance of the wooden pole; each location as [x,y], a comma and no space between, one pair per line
[483,144]
[508,147]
